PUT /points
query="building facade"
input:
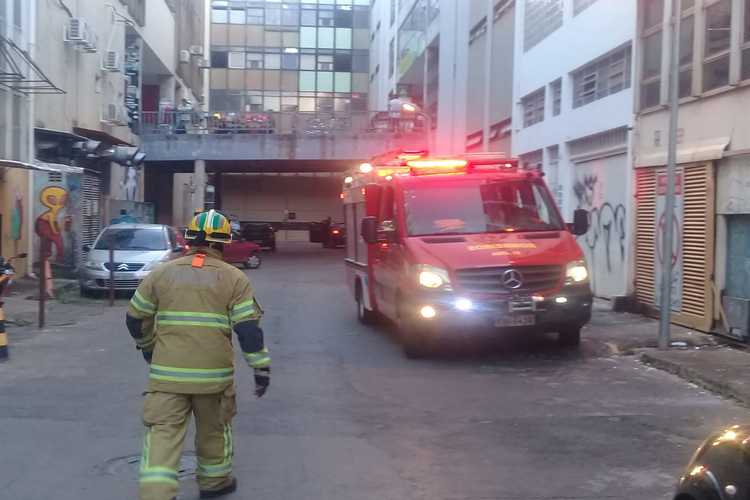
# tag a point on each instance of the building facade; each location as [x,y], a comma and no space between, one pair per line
[573,118]
[420,50]
[710,287]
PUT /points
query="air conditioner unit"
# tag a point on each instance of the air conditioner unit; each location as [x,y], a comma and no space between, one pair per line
[184,57]
[89,45]
[196,50]
[111,61]
[76,31]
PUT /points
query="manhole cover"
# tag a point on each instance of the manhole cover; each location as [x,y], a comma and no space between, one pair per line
[127,467]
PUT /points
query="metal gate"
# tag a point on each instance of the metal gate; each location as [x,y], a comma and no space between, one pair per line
[697,243]
[91,202]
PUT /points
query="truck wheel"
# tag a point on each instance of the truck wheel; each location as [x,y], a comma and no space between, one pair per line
[414,341]
[569,336]
[364,315]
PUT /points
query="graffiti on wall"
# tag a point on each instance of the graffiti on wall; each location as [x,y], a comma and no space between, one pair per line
[605,242]
[55,213]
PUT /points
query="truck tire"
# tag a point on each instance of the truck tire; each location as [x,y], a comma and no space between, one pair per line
[414,341]
[569,336]
[364,315]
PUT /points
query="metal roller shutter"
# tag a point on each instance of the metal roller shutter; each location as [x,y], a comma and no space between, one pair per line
[91,196]
[645,240]
[697,243]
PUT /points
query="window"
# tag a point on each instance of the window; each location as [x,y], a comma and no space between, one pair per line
[219,58]
[290,16]
[290,61]
[325,63]
[325,18]
[555,89]
[343,38]
[718,31]
[687,34]
[651,70]
[237,16]
[606,76]
[541,19]
[653,13]
[309,17]
[307,81]
[237,60]
[746,44]
[325,81]
[219,13]
[325,38]
[307,61]
[273,16]
[392,57]
[344,18]
[307,37]
[254,60]
[254,16]
[581,5]
[273,61]
[343,82]
[533,108]
[342,62]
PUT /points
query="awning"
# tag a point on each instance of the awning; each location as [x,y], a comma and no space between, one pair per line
[98,135]
[20,73]
[694,152]
[41,166]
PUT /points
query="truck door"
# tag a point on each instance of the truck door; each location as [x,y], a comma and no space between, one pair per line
[388,255]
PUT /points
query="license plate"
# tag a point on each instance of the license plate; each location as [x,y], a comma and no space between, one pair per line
[516,320]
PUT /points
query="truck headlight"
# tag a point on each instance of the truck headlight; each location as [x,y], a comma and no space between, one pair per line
[433,277]
[576,273]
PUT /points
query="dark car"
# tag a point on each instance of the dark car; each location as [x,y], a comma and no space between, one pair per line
[720,468]
[261,233]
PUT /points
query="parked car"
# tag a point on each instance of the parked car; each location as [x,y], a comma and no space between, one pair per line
[241,251]
[720,468]
[138,250]
[261,233]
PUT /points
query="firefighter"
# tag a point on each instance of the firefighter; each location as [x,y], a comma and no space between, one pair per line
[181,318]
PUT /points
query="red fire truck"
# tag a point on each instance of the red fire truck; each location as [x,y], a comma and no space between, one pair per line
[443,246]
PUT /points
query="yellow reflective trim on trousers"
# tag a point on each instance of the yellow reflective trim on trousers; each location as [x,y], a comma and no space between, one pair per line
[155,474]
[225,467]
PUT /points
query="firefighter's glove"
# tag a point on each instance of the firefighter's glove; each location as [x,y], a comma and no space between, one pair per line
[147,356]
[262,381]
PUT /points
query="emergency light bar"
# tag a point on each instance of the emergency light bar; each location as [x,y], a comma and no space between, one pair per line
[427,167]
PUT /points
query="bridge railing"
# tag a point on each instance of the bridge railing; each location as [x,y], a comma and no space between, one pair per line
[286,123]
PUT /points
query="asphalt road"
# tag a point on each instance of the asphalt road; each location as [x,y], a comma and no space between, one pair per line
[348,417]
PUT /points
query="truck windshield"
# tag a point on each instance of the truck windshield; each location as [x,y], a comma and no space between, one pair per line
[480,207]
[133,239]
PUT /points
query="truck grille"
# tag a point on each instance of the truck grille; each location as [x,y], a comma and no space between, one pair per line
[493,279]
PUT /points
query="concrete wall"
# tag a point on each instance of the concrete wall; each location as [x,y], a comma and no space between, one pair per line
[159,31]
[382,83]
[88,89]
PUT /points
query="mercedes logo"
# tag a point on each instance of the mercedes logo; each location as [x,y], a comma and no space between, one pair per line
[123,267]
[512,279]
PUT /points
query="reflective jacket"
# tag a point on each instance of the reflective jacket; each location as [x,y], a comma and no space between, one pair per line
[188,308]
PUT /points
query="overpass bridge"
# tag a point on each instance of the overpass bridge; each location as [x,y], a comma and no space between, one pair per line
[298,144]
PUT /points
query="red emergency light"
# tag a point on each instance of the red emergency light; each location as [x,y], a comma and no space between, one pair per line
[446,166]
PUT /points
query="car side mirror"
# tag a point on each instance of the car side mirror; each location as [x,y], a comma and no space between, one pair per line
[87,248]
[580,224]
[369,230]
[387,232]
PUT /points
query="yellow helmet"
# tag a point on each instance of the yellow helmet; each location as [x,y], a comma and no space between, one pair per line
[212,225]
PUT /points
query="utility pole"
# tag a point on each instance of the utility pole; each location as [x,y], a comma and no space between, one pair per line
[666,269]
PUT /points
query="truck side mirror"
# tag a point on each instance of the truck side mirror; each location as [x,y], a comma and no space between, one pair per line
[580,224]
[370,230]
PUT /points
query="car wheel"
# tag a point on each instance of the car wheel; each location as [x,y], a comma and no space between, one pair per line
[569,336]
[252,262]
[364,315]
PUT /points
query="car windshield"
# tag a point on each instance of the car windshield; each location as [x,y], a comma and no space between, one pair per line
[133,239]
[469,207]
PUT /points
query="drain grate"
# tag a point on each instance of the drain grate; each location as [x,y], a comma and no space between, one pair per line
[127,467]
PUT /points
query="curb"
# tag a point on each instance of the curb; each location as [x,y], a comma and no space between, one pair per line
[697,377]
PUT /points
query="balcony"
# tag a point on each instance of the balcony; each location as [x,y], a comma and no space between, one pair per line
[176,136]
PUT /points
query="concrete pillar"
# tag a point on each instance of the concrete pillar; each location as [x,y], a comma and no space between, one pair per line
[199,185]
